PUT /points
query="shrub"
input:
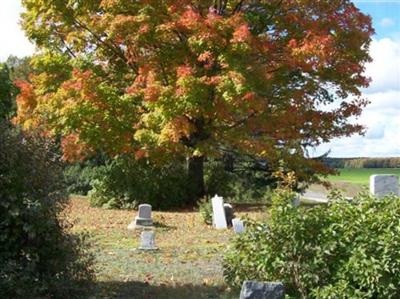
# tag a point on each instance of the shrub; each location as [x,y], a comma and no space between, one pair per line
[341,250]
[242,184]
[38,258]
[205,210]
[125,183]
[79,177]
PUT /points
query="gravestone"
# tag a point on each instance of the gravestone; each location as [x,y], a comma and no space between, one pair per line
[382,185]
[262,290]
[219,218]
[296,202]
[228,213]
[143,219]
[238,226]
[147,240]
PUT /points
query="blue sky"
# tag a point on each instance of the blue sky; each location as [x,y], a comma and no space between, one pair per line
[381,117]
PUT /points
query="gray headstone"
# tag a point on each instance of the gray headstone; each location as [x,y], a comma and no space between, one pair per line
[144,211]
[219,219]
[382,185]
[228,213]
[143,219]
[147,240]
[262,290]
[238,226]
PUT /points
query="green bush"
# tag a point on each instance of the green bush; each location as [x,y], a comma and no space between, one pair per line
[341,250]
[125,183]
[79,177]
[38,258]
[240,185]
[205,210]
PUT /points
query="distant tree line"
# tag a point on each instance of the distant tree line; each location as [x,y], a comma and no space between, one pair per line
[363,162]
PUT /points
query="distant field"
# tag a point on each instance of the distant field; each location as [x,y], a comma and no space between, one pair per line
[361,175]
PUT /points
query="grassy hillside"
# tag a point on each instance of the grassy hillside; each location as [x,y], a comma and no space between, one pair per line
[361,175]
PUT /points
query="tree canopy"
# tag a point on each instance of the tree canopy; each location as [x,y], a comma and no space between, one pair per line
[7,93]
[151,78]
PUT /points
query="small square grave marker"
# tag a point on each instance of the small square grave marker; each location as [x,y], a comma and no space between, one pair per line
[147,241]
[238,226]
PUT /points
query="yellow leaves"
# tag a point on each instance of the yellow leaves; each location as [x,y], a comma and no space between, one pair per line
[74,149]
[314,49]
[176,129]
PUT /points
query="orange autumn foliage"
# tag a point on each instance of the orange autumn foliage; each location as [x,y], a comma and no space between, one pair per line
[186,77]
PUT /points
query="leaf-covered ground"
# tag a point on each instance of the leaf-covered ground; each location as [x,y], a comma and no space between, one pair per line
[187,264]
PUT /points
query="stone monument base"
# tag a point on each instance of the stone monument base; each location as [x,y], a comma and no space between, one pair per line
[140,222]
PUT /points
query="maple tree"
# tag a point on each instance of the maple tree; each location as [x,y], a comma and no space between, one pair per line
[178,77]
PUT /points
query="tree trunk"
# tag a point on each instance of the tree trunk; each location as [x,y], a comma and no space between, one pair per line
[195,166]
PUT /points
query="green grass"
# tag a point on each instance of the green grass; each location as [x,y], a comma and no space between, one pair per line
[361,175]
[187,264]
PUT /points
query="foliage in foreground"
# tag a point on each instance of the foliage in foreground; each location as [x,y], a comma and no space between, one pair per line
[342,250]
[38,258]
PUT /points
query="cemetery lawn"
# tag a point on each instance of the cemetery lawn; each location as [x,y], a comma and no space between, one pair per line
[361,175]
[187,264]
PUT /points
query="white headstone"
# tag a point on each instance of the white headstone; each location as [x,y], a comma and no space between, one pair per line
[147,240]
[219,218]
[238,226]
[382,185]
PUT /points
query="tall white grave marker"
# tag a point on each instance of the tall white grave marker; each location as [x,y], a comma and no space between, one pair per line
[219,218]
[382,185]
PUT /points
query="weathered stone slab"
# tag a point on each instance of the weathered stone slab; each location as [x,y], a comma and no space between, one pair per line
[238,225]
[147,240]
[262,290]
[219,218]
[382,185]
[228,213]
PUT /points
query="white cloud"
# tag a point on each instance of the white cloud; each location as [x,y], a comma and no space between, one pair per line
[386,22]
[382,117]
[12,39]
[385,68]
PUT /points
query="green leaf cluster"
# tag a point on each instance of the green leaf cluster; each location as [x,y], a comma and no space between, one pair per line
[39,258]
[345,249]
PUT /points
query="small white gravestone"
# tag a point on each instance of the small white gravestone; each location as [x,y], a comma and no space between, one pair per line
[219,218]
[143,219]
[382,185]
[296,201]
[238,226]
[147,240]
